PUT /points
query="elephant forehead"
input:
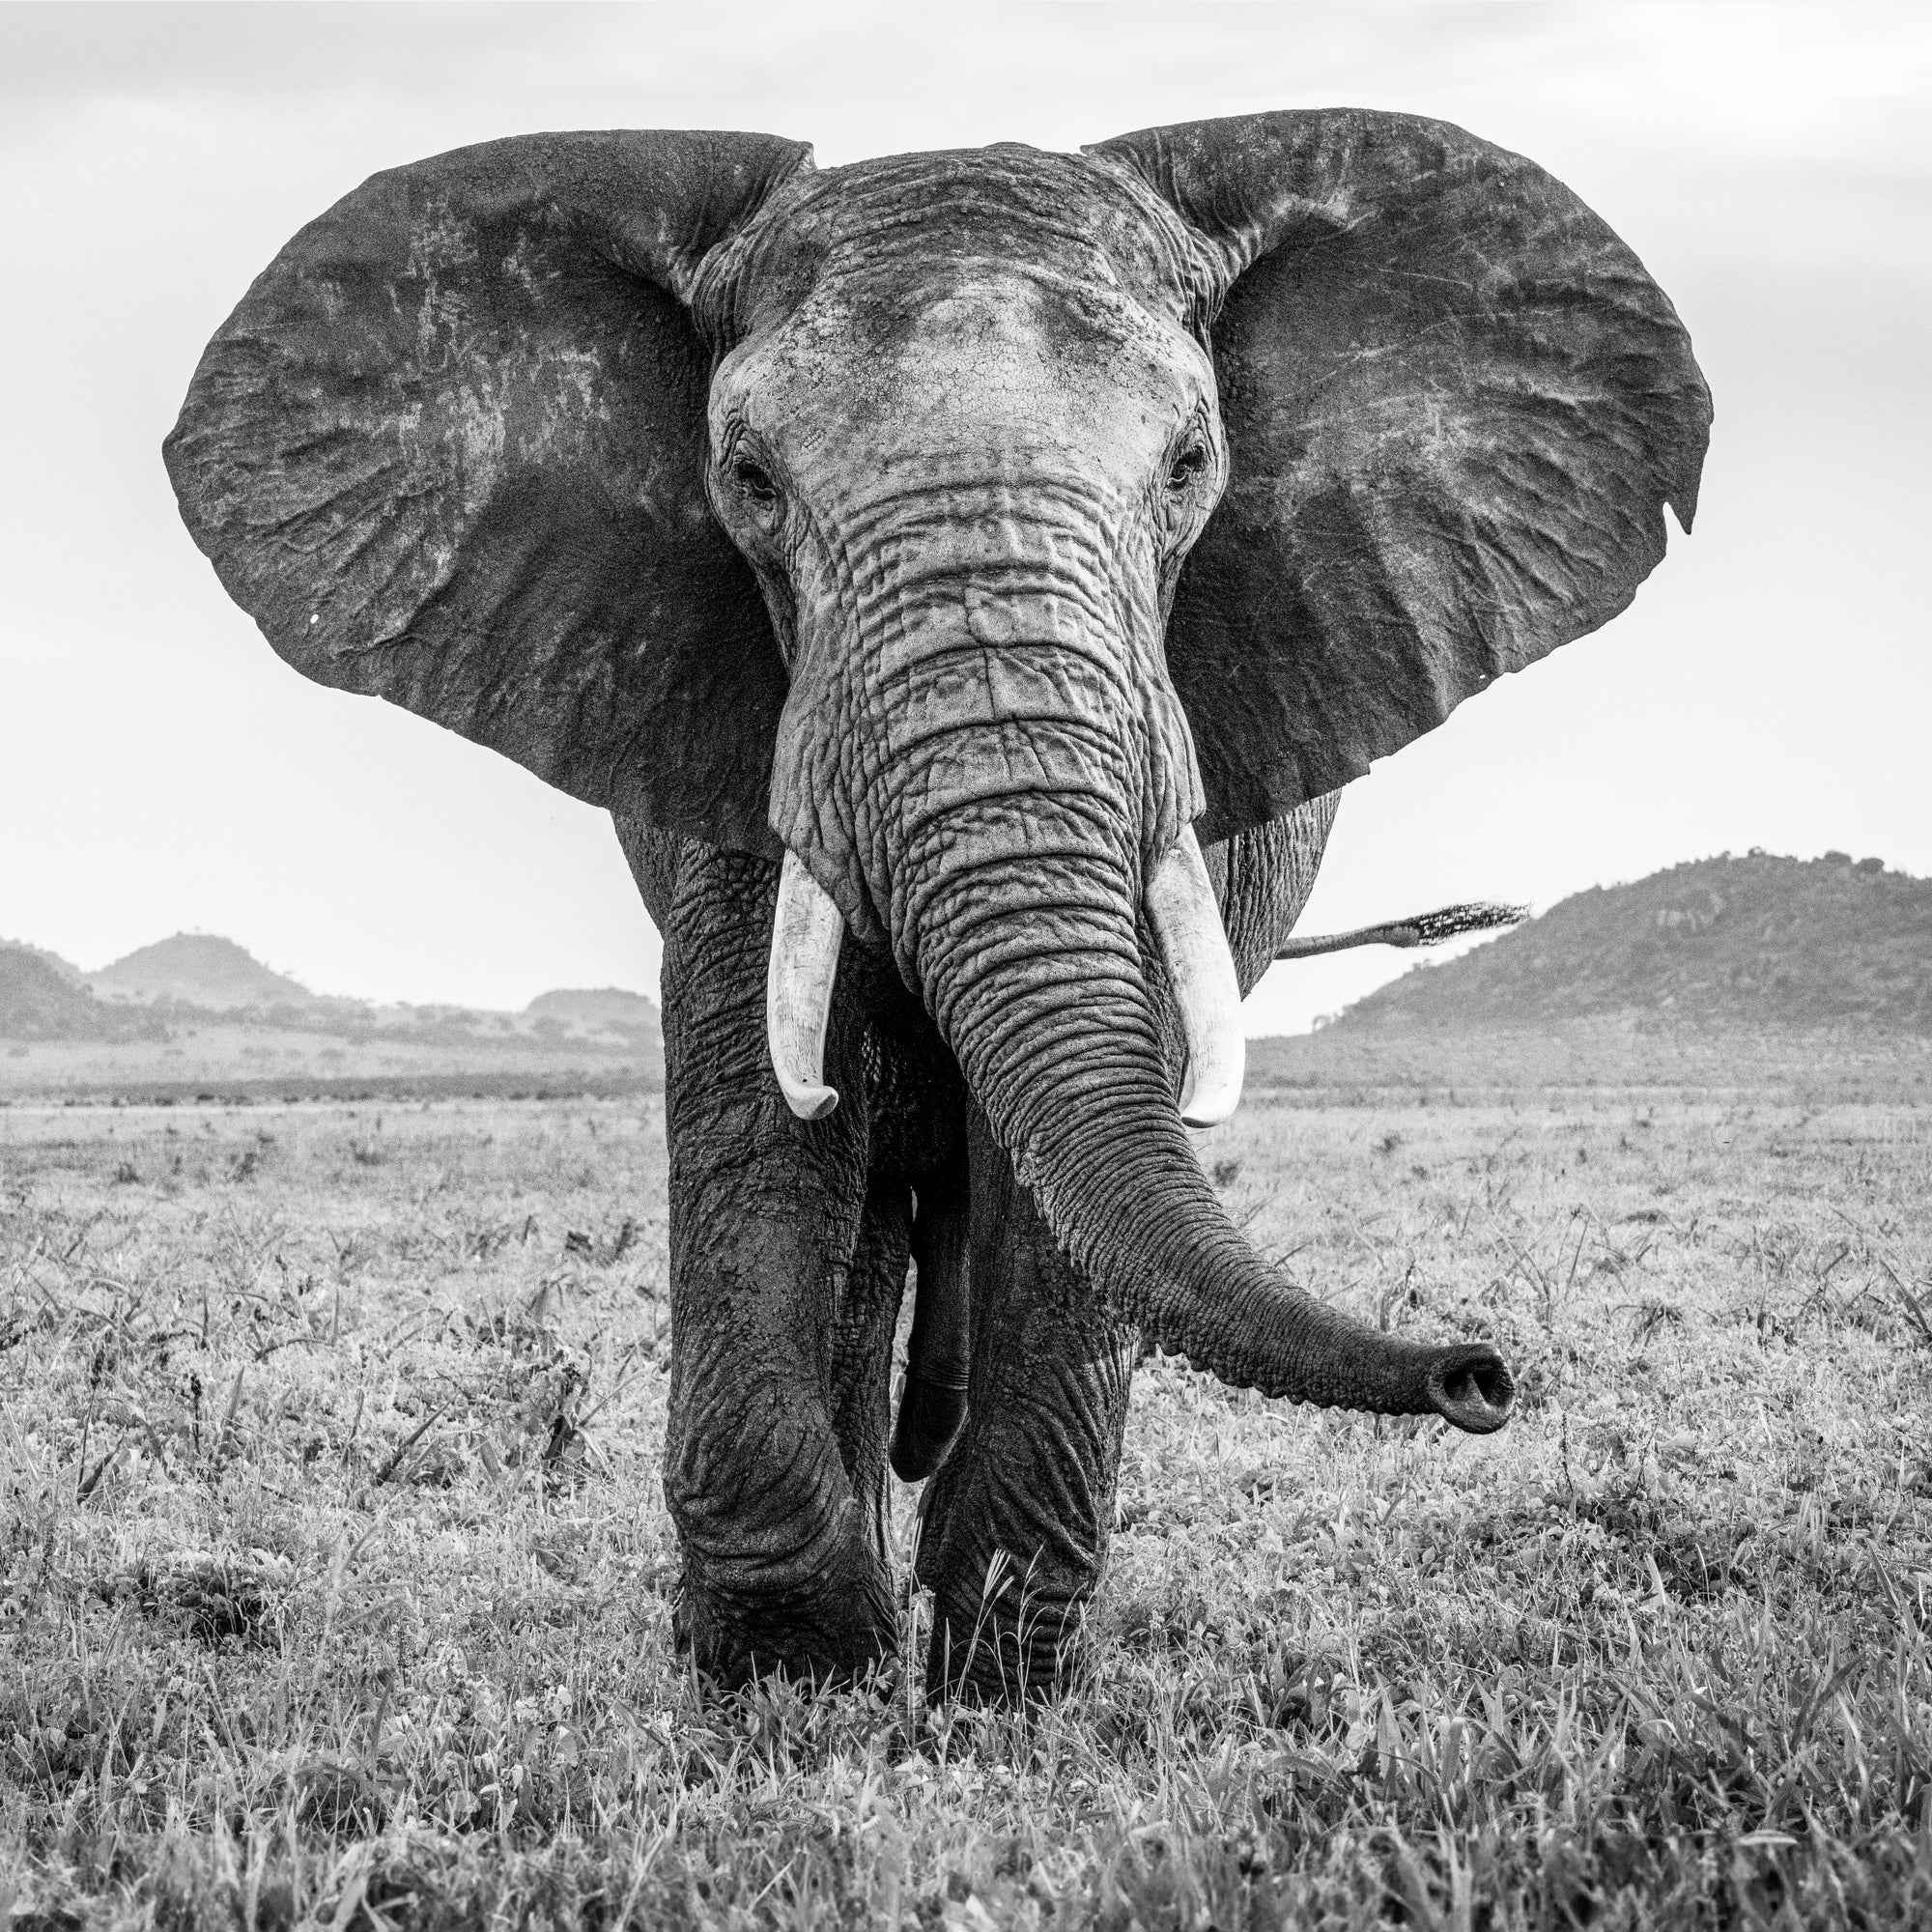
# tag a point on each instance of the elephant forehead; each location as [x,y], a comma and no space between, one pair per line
[971,357]
[1009,203]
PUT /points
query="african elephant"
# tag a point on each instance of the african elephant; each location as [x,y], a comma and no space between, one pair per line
[968,580]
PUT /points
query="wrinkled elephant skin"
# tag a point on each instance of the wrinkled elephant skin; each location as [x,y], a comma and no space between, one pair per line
[1025,549]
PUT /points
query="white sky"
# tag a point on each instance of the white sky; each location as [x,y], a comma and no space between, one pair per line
[160,769]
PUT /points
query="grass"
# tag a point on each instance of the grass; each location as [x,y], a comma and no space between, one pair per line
[233,1057]
[336,1576]
[1631,1055]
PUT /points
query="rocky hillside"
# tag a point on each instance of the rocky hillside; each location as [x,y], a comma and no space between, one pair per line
[198,968]
[1752,941]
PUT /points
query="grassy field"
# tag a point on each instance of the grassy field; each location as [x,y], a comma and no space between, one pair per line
[1634,1056]
[221,1060]
[335,1581]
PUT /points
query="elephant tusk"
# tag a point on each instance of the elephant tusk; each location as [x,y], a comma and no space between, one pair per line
[807,929]
[1194,943]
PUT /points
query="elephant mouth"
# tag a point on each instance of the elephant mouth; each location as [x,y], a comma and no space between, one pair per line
[808,932]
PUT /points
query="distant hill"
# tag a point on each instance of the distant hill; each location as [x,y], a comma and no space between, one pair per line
[66,968]
[200,979]
[198,1014]
[1723,942]
[198,968]
[38,1000]
[599,1010]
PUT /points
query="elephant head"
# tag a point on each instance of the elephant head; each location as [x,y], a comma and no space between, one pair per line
[976,532]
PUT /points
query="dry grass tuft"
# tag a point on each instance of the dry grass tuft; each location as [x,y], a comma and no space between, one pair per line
[334,1572]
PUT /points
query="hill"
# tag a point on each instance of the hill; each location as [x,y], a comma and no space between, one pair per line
[66,968]
[198,968]
[39,1001]
[598,1010]
[198,1015]
[1723,943]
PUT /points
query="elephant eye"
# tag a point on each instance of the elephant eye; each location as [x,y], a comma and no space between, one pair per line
[755,480]
[1188,464]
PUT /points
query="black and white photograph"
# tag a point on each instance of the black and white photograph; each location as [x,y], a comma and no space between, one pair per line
[965,966]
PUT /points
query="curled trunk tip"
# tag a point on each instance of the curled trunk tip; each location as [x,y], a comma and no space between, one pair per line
[1472,1387]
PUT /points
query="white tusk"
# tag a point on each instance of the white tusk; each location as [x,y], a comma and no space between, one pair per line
[806,933]
[1194,943]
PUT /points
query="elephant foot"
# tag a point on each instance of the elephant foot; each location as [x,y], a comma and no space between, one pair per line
[830,1634]
[784,1569]
[1021,1641]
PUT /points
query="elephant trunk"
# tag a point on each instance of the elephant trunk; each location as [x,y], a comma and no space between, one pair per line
[1068,1065]
[1016,910]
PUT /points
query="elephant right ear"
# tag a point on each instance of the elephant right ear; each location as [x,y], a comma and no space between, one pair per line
[1455,407]
[450,452]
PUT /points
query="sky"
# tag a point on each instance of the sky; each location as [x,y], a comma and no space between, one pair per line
[161,770]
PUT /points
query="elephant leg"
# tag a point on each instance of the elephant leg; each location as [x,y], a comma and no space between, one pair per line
[1015,1528]
[781,1569]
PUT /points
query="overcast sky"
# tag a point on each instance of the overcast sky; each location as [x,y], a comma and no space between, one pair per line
[160,769]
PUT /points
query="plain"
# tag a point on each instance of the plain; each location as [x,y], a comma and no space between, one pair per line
[336,1575]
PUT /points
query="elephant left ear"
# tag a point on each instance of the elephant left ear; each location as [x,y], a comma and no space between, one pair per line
[450,452]
[1456,406]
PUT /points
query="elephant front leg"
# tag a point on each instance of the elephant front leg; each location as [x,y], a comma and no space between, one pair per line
[1015,1528]
[783,1568]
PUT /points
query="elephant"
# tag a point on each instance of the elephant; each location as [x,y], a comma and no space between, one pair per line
[968,579]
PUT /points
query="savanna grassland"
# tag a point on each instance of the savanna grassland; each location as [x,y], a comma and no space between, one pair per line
[336,1581]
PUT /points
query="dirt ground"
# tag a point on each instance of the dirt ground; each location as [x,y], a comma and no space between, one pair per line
[336,1576]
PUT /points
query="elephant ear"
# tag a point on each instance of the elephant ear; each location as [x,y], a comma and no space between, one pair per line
[1455,406]
[450,449]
